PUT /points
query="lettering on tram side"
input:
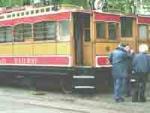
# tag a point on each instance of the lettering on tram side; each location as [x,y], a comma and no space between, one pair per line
[41,60]
[23,60]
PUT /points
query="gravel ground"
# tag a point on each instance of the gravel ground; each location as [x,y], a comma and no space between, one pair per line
[70,103]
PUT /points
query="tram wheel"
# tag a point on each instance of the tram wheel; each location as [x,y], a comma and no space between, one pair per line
[66,84]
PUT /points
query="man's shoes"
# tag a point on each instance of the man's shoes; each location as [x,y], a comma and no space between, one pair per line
[134,100]
[119,100]
[142,99]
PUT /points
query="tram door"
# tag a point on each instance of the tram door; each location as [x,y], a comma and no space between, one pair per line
[82,40]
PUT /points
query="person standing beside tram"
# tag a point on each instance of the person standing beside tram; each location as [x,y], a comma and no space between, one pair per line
[118,59]
[141,69]
[127,84]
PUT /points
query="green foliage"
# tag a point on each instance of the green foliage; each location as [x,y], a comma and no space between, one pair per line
[10,3]
[125,6]
[82,3]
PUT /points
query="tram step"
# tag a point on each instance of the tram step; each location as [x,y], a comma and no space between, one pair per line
[84,84]
[84,80]
[84,87]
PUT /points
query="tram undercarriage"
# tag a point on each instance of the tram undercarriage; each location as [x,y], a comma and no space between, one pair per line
[56,79]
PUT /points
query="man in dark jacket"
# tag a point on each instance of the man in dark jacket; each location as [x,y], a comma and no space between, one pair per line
[141,68]
[127,84]
[118,59]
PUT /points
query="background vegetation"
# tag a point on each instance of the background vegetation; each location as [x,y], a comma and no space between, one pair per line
[125,6]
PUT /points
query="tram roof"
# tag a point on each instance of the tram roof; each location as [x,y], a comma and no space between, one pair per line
[33,15]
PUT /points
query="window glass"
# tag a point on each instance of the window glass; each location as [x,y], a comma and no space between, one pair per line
[126,26]
[100,30]
[42,10]
[27,31]
[38,31]
[86,35]
[64,30]
[13,15]
[22,32]
[6,34]
[2,34]
[22,14]
[112,29]
[27,13]
[47,9]
[143,31]
[50,30]
[45,31]
[9,34]
[86,29]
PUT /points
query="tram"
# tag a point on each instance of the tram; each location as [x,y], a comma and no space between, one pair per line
[38,42]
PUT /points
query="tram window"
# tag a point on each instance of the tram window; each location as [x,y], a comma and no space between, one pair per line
[27,31]
[6,34]
[100,30]
[45,31]
[8,16]
[22,32]
[9,35]
[18,14]
[143,31]
[86,35]
[42,10]
[22,14]
[13,15]
[86,29]
[2,34]
[37,11]
[126,26]
[47,9]
[64,30]
[50,30]
[27,13]
[32,12]
[112,28]
[1,17]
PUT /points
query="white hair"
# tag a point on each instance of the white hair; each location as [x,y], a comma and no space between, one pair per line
[143,48]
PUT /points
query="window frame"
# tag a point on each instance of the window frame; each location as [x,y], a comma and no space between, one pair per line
[116,31]
[21,32]
[105,31]
[124,30]
[59,31]
[5,34]
[43,26]
[147,37]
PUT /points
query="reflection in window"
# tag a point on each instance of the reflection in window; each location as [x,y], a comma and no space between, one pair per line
[45,31]
[143,31]
[22,32]
[126,26]
[112,28]
[6,34]
[64,30]
[100,30]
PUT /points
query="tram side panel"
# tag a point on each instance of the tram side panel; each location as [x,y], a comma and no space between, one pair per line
[36,51]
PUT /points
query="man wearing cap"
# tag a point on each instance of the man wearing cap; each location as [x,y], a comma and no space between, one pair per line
[141,68]
[118,59]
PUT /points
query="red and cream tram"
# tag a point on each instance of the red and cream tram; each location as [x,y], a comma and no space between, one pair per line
[39,42]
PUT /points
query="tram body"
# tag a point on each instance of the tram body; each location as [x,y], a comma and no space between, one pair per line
[38,42]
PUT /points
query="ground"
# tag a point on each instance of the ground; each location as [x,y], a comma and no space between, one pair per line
[17,100]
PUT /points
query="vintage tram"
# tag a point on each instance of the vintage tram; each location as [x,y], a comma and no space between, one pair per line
[42,44]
